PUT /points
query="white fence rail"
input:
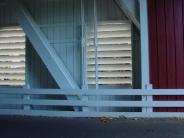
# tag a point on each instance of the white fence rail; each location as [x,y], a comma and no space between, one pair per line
[16,97]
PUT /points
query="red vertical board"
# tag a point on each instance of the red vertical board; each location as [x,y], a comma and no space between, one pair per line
[161,42]
[153,43]
[170,39]
[153,46]
[178,17]
[179,43]
[162,51]
[166,48]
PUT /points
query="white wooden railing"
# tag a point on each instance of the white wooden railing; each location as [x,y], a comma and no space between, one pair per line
[16,97]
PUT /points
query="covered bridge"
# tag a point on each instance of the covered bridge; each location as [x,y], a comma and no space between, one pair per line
[92,58]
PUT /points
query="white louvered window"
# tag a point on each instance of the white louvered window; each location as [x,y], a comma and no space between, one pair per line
[114,55]
[12,56]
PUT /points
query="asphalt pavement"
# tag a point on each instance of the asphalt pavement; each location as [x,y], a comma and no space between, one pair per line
[41,127]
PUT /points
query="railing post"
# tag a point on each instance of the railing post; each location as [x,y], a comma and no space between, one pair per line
[27,80]
[145,78]
[85,99]
[26,97]
[149,98]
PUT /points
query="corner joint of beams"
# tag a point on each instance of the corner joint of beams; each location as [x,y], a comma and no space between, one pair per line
[128,7]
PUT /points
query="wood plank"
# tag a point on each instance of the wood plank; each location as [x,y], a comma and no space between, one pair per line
[91,92]
[110,67]
[12,64]
[162,51]
[152,11]
[12,70]
[10,28]
[12,82]
[104,41]
[12,76]
[179,43]
[14,39]
[110,34]
[110,27]
[171,55]
[115,74]
[178,18]
[92,103]
[18,58]
[12,33]
[12,45]
[110,81]
[114,22]
[124,60]
[153,44]
[110,54]
[110,47]
[12,52]
[161,43]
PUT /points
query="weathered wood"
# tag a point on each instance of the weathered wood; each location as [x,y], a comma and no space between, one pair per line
[54,64]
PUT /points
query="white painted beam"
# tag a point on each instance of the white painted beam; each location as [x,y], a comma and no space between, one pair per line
[39,41]
[145,76]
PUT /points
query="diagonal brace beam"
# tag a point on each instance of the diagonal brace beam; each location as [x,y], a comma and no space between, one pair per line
[39,41]
[130,8]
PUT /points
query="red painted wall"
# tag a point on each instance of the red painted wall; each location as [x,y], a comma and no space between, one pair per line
[166,42]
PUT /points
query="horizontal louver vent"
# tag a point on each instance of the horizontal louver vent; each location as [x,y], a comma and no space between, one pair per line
[12,56]
[114,54]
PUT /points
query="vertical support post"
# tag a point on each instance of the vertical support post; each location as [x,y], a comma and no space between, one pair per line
[27,97]
[145,78]
[95,41]
[84,51]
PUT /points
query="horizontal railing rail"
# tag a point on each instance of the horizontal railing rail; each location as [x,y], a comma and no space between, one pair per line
[93,92]
[16,97]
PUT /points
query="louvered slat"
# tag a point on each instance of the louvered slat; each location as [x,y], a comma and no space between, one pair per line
[18,58]
[10,28]
[114,22]
[20,45]
[12,56]
[114,54]
[12,64]
[110,67]
[106,41]
[12,70]
[12,33]
[12,82]
[111,27]
[111,74]
[107,34]
[16,39]
[110,54]
[111,47]
[111,81]
[12,52]
[111,61]
[12,76]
